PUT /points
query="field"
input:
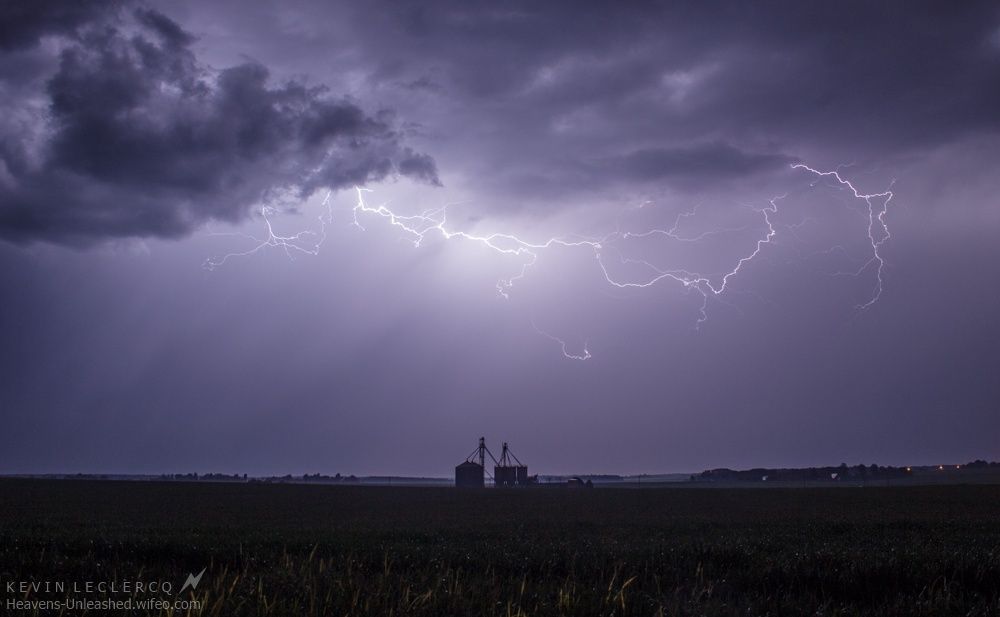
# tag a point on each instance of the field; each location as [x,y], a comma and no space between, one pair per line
[324,550]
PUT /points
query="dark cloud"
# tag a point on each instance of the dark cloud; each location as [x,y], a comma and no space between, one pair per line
[139,139]
[547,86]
[710,160]
[23,24]
[171,33]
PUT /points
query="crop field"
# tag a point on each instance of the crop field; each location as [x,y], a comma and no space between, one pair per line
[335,550]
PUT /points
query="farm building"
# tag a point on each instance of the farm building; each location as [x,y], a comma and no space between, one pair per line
[508,471]
[579,483]
[469,475]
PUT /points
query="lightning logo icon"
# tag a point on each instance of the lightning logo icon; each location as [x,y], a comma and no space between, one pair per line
[192,581]
[434,222]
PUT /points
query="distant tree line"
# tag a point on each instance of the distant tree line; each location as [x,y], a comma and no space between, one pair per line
[235,477]
[318,477]
[830,473]
[980,464]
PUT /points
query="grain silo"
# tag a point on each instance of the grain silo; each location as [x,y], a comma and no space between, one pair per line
[509,471]
[471,473]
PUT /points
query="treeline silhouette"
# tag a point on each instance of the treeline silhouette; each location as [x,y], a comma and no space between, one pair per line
[831,473]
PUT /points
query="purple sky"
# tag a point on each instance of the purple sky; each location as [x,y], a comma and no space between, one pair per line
[141,141]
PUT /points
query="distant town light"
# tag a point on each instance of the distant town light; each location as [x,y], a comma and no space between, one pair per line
[941,467]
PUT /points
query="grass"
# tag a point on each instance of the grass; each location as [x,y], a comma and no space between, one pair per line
[325,550]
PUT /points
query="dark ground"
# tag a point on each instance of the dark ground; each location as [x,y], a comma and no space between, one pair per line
[333,550]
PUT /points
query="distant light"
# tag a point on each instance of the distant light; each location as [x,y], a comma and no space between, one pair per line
[958,466]
[941,467]
[908,469]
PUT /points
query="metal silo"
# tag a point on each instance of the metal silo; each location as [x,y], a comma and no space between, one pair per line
[471,473]
[509,470]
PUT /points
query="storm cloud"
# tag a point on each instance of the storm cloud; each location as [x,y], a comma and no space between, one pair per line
[132,136]
[712,159]
[546,102]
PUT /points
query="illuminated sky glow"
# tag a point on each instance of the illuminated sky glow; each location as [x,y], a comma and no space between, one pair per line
[354,237]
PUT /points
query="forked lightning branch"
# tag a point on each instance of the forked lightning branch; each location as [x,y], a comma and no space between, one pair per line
[434,223]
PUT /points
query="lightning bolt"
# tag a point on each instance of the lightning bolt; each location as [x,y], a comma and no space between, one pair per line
[878,229]
[306,242]
[562,344]
[434,222]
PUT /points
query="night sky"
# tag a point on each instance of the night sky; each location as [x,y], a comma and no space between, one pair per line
[630,155]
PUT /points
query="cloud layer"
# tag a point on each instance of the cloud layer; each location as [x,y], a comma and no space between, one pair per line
[545,106]
[132,136]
